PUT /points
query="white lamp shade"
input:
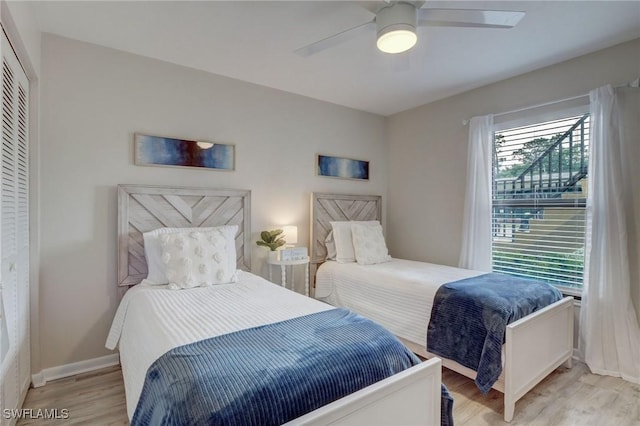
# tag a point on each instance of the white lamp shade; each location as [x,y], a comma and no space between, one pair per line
[290,234]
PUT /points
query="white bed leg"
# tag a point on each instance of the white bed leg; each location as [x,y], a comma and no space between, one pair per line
[569,362]
[509,408]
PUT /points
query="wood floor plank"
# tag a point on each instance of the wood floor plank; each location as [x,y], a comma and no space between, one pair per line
[567,397]
[95,398]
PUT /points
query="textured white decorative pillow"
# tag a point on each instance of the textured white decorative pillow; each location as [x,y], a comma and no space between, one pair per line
[196,259]
[156,274]
[369,245]
[344,241]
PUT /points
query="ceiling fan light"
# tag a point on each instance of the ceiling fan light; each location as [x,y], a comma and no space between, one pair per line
[396,27]
[397,39]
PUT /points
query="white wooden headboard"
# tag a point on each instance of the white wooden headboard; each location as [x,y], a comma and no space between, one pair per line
[142,208]
[326,208]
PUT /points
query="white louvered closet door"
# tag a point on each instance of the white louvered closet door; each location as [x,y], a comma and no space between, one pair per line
[14,234]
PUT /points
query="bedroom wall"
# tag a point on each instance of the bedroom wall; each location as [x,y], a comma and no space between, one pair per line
[630,105]
[22,28]
[94,99]
[428,152]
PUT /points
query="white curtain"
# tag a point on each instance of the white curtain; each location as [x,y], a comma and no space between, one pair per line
[4,332]
[610,334]
[476,228]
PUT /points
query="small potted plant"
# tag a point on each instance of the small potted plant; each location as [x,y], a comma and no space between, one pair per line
[273,240]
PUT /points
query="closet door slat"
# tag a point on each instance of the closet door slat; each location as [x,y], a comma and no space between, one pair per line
[14,233]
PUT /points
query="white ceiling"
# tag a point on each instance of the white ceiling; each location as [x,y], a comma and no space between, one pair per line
[254,41]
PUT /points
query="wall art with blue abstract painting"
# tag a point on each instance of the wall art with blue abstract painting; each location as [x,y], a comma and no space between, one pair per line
[160,151]
[346,168]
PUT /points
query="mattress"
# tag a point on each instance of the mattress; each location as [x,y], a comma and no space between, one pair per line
[397,294]
[151,320]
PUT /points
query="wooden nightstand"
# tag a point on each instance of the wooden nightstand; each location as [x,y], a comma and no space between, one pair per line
[283,269]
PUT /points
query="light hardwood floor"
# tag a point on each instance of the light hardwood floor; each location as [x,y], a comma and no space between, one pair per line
[566,397]
[95,398]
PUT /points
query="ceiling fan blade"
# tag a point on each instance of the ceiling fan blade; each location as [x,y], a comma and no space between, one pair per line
[334,40]
[469,18]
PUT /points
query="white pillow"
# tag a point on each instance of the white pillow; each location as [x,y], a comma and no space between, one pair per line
[369,245]
[344,241]
[196,259]
[156,274]
[330,244]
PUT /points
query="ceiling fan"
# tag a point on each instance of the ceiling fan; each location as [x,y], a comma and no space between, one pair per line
[396,23]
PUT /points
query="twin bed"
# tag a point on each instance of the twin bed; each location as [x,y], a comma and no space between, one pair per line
[399,294]
[249,351]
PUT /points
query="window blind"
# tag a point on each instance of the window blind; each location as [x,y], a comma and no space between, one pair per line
[540,175]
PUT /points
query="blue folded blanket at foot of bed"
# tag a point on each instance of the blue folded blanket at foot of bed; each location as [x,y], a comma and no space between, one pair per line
[469,319]
[271,374]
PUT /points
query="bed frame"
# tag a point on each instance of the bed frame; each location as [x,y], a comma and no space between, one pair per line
[409,397]
[534,346]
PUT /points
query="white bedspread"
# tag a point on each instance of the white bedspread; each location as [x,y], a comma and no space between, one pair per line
[151,320]
[397,294]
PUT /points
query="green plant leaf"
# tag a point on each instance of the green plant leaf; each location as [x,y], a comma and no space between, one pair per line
[270,239]
[275,233]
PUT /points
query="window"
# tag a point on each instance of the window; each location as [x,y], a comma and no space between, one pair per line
[539,195]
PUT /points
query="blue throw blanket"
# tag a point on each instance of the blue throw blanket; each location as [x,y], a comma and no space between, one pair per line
[271,374]
[469,319]
[446,407]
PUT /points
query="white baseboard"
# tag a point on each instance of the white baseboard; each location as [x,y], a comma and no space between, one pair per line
[41,378]
[37,379]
